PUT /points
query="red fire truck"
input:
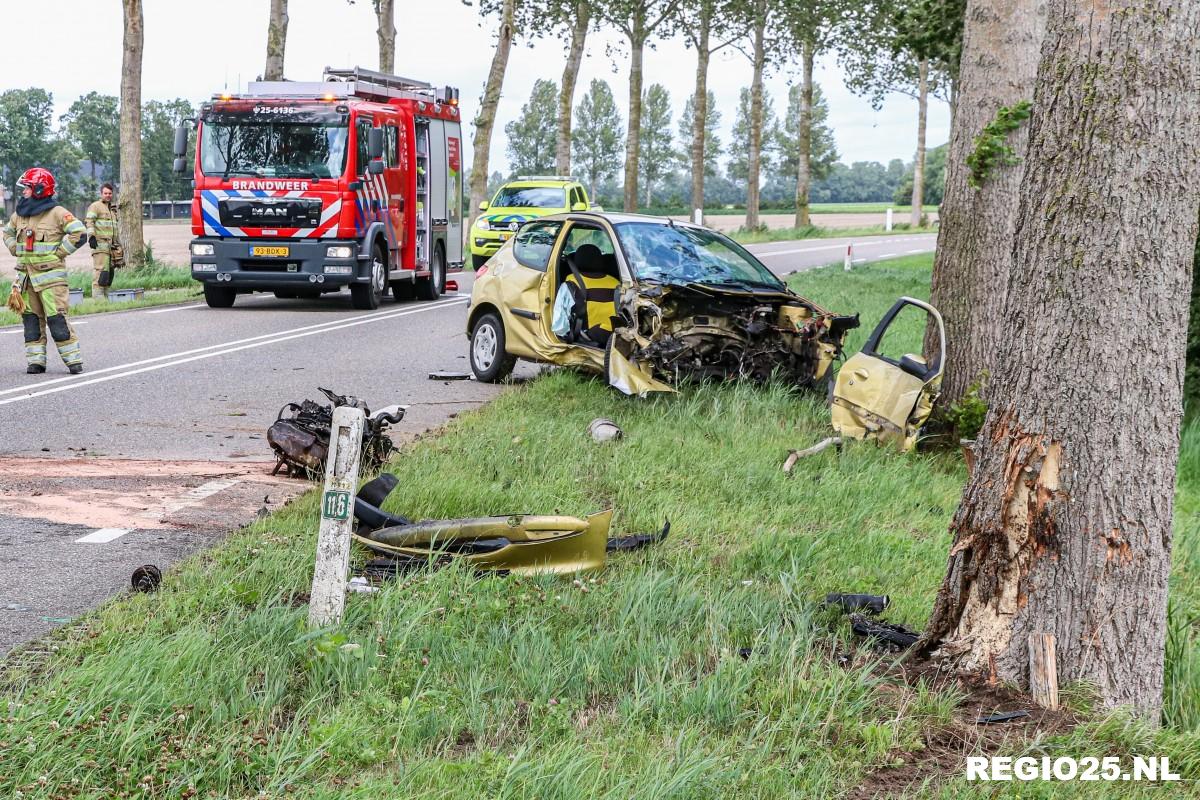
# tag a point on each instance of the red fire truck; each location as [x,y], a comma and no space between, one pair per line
[303,188]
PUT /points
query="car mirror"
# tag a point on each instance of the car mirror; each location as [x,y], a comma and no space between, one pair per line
[484,206]
[375,167]
[579,207]
[375,143]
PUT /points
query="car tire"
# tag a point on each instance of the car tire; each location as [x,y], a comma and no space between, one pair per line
[478,261]
[489,361]
[368,296]
[219,296]
[431,288]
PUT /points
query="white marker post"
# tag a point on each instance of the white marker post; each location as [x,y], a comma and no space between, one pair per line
[328,596]
[887,226]
[849,256]
[698,216]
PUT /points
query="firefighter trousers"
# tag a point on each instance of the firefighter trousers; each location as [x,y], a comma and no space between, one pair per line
[46,310]
[100,262]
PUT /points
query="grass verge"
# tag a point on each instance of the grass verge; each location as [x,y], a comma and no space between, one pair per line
[164,284]
[628,683]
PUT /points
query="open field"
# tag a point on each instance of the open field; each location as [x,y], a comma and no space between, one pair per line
[628,683]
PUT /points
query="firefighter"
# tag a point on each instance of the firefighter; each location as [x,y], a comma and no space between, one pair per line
[102,237]
[41,234]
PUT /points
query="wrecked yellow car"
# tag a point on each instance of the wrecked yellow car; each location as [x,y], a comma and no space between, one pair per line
[884,393]
[646,302]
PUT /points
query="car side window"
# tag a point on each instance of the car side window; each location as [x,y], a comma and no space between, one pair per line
[390,146]
[575,197]
[534,244]
[364,125]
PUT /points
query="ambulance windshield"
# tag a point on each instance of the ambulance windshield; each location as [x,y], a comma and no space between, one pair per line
[234,144]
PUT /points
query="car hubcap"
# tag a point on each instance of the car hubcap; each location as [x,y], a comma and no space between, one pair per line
[484,347]
[377,274]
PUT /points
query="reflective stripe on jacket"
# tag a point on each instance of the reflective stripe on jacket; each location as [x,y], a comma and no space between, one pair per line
[42,243]
[102,222]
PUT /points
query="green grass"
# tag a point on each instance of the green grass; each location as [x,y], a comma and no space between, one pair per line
[164,284]
[626,684]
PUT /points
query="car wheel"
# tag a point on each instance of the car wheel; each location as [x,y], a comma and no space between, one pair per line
[219,296]
[368,296]
[489,361]
[431,288]
[478,261]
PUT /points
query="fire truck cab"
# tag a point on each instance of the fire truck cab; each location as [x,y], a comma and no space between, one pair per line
[303,188]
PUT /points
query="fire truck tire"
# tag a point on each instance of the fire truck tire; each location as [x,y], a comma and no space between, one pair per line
[431,288]
[219,296]
[368,296]
[489,361]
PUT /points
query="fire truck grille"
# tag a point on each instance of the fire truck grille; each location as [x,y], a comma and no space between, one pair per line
[271,212]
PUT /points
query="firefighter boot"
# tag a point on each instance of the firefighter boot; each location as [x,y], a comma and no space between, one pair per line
[35,344]
[65,341]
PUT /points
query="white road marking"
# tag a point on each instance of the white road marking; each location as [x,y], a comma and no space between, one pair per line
[81,322]
[800,250]
[191,497]
[889,255]
[918,251]
[102,536]
[228,349]
[174,308]
[388,314]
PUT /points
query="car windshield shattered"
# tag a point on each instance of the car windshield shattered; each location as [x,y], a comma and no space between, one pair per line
[684,255]
[530,197]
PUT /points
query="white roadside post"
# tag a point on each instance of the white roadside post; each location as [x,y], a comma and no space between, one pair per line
[698,216]
[849,256]
[887,226]
[328,596]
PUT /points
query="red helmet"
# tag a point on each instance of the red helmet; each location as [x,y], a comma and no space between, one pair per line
[39,180]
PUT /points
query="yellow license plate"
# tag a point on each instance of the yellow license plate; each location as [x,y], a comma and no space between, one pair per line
[270,252]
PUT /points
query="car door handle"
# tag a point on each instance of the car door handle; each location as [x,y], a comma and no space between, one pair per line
[520,312]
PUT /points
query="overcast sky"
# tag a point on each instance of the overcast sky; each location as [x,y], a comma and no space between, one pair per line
[197,47]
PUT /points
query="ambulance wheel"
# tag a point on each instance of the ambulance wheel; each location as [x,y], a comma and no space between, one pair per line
[368,296]
[431,288]
[219,296]
[489,362]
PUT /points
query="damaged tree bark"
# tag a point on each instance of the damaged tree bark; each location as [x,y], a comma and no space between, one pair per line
[1065,524]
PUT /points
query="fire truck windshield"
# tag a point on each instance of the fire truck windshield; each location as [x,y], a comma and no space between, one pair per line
[274,148]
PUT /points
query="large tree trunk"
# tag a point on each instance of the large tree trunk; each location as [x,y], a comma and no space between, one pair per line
[1001,42]
[385,15]
[130,207]
[918,192]
[700,109]
[637,43]
[804,165]
[485,119]
[276,40]
[756,116]
[1065,523]
[566,92]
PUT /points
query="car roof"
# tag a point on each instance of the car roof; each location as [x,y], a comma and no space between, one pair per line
[616,218]
[539,184]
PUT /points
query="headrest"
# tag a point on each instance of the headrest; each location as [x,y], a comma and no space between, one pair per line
[588,260]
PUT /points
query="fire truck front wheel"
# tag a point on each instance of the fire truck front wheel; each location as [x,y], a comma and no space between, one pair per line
[219,296]
[367,296]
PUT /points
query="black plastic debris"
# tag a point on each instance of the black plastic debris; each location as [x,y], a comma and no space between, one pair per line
[146,578]
[449,376]
[884,634]
[871,603]
[620,544]
[1002,716]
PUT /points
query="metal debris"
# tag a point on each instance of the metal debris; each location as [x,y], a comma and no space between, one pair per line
[449,376]
[604,430]
[1001,716]
[796,455]
[885,635]
[300,435]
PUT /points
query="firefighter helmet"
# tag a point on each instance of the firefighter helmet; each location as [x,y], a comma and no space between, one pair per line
[41,181]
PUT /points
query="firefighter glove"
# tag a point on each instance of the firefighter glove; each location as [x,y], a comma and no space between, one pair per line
[92,243]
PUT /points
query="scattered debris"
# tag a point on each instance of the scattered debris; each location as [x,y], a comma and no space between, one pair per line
[796,455]
[871,603]
[886,635]
[1002,716]
[518,543]
[146,578]
[449,376]
[360,585]
[745,652]
[300,435]
[602,429]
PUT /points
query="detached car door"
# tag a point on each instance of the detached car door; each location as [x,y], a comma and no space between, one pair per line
[887,394]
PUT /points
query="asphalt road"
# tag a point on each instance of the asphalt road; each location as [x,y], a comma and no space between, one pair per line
[159,447]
